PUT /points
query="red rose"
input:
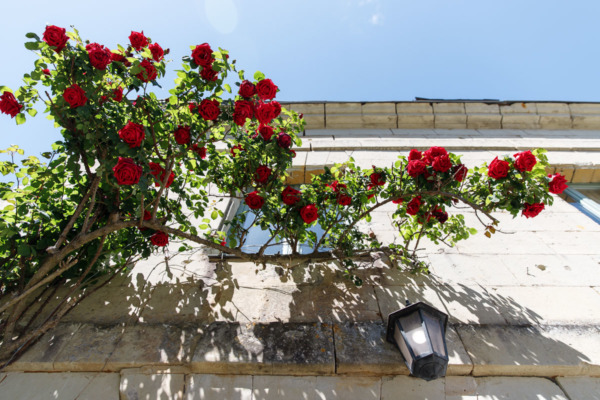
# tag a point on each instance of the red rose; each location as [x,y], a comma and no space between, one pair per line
[413,206]
[440,215]
[525,161]
[99,56]
[399,200]
[160,239]
[442,163]
[120,58]
[416,168]
[133,134]
[127,172]
[182,134]
[292,152]
[532,210]
[202,55]
[237,147]
[209,109]
[138,40]
[243,110]
[557,184]
[414,155]
[344,199]
[148,73]
[147,215]
[266,132]
[75,96]
[265,113]
[157,52]
[432,153]
[159,173]
[290,196]
[209,74]
[9,104]
[284,140]
[275,108]
[201,151]
[118,94]
[262,174]
[309,213]
[377,179]
[266,89]
[369,188]
[254,200]
[247,89]
[460,172]
[498,169]
[46,72]
[192,106]
[336,186]
[56,37]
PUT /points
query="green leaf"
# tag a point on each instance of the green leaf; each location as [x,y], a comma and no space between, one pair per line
[20,119]
[24,250]
[214,215]
[173,100]
[32,112]
[32,35]
[227,87]
[259,76]
[203,226]
[32,45]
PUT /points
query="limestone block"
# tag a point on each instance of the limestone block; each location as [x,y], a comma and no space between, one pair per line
[520,121]
[72,385]
[482,108]
[580,387]
[410,388]
[378,108]
[307,108]
[484,121]
[311,171]
[567,171]
[277,388]
[343,108]
[596,177]
[523,350]
[176,303]
[586,121]
[416,121]
[518,108]
[296,175]
[555,121]
[450,121]
[553,108]
[155,386]
[342,121]
[277,349]
[378,121]
[584,108]
[218,387]
[449,108]
[348,388]
[460,386]
[493,388]
[314,121]
[582,175]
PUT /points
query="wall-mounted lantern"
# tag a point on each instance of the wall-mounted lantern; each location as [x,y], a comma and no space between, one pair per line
[419,333]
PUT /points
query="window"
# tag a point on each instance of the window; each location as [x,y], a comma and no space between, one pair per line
[586,198]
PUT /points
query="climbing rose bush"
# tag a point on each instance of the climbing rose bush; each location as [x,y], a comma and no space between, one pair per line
[129,174]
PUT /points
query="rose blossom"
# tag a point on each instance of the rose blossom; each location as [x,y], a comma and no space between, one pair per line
[182,134]
[309,213]
[202,55]
[254,200]
[498,169]
[75,96]
[9,104]
[192,106]
[46,72]
[460,172]
[399,200]
[557,184]
[133,134]
[442,163]
[160,239]
[243,110]
[292,152]
[266,132]
[118,94]
[290,196]
[377,179]
[432,153]
[56,37]
[120,58]
[416,168]
[148,72]
[237,147]
[532,210]
[201,151]
[157,52]
[275,108]
[413,206]
[414,155]
[209,74]
[266,89]
[265,113]
[525,161]
[344,199]
[440,215]
[127,172]
[99,56]
[262,174]
[138,40]
[159,173]
[209,109]
[284,140]
[247,89]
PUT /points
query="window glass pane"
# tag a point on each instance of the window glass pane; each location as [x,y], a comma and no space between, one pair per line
[586,198]
[415,334]
[435,329]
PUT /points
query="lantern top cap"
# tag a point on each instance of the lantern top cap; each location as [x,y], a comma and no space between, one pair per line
[393,317]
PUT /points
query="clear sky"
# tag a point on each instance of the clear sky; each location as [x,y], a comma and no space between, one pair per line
[346,50]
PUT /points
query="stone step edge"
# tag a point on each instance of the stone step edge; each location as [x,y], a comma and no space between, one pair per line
[318,348]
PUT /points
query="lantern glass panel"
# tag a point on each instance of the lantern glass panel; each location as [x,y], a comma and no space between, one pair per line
[436,332]
[402,345]
[415,334]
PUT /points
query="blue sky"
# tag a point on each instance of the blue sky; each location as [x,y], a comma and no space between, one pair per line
[346,50]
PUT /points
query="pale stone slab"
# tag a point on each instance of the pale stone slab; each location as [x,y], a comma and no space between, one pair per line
[580,388]
[553,108]
[307,108]
[584,108]
[347,388]
[343,108]
[288,387]
[393,298]
[518,108]
[450,121]
[177,303]
[482,108]
[586,121]
[532,351]
[484,121]
[555,121]
[521,121]
[378,108]
[279,349]
[558,270]
[410,388]
[218,387]
[155,386]
[493,388]
[64,386]
[469,269]
[583,175]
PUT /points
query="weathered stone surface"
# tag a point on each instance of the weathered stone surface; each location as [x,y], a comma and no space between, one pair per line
[555,121]
[177,304]
[583,175]
[218,387]
[279,349]
[586,121]
[411,388]
[482,108]
[493,388]
[347,388]
[276,388]
[450,121]
[553,108]
[518,108]
[484,121]
[580,388]
[520,121]
[532,351]
[63,386]
[156,386]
